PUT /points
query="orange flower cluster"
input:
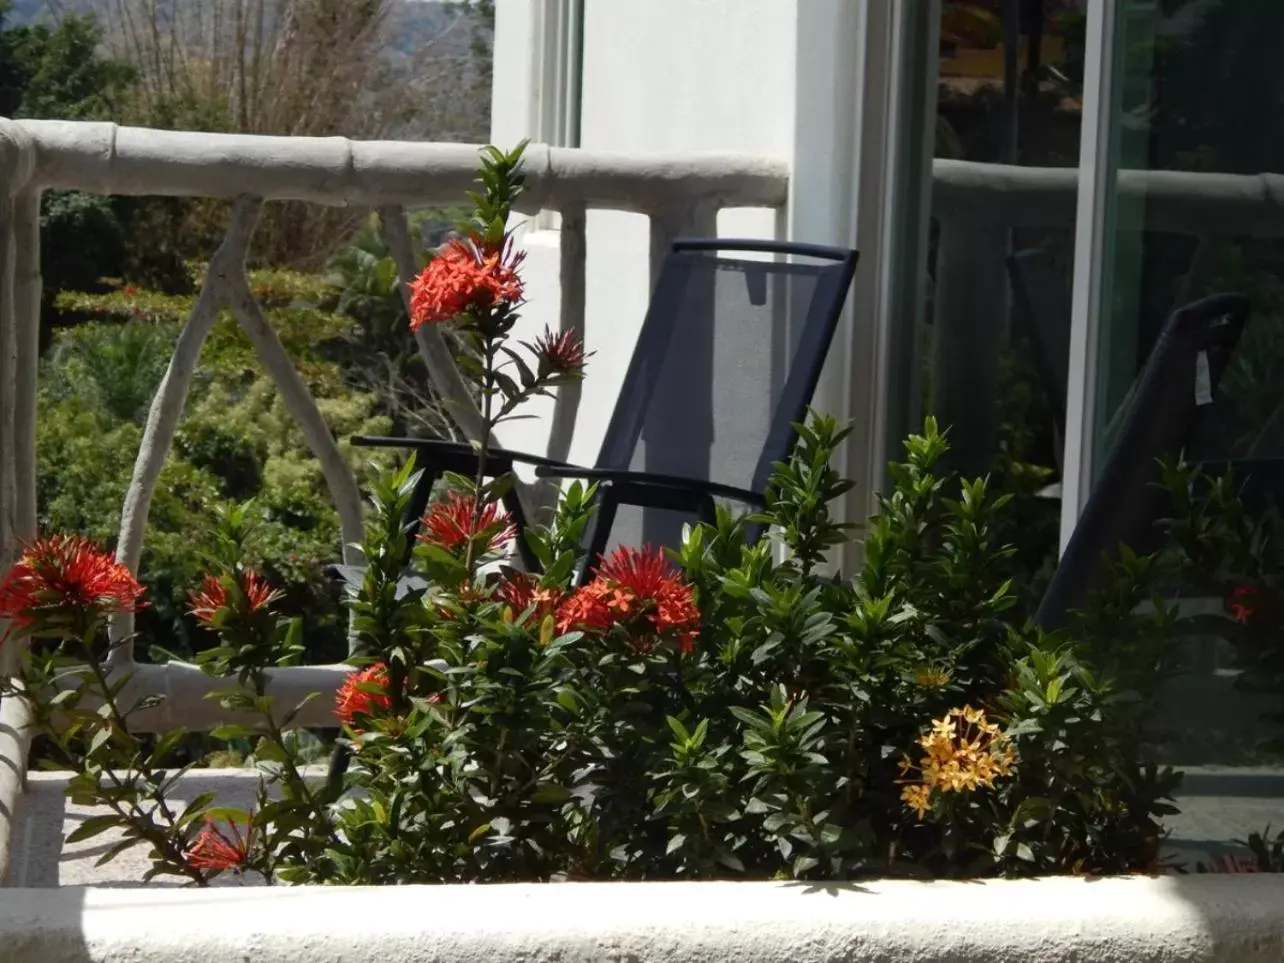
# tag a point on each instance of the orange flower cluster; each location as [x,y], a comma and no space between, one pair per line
[639,590]
[463,278]
[210,599]
[962,752]
[67,572]
[354,698]
[523,595]
[454,523]
[219,850]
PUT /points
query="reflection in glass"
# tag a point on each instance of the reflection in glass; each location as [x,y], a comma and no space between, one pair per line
[1199,142]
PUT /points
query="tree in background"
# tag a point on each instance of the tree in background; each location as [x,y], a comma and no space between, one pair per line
[364,69]
[57,70]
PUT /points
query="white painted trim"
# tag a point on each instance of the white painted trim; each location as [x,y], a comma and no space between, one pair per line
[1131,920]
[559,32]
[558,66]
[1097,173]
[894,90]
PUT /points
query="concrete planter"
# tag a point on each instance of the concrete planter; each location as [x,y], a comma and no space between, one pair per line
[1132,920]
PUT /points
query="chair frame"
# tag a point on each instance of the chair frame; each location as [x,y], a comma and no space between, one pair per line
[621,486]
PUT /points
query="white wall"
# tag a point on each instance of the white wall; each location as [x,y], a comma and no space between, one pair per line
[659,75]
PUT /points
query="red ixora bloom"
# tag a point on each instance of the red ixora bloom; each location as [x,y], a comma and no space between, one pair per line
[352,700]
[1246,602]
[640,590]
[211,597]
[67,571]
[463,277]
[217,850]
[559,353]
[522,593]
[454,523]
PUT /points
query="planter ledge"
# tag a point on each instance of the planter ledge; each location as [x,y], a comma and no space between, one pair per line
[1131,920]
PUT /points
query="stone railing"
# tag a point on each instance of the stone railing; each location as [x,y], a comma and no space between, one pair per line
[976,205]
[680,193]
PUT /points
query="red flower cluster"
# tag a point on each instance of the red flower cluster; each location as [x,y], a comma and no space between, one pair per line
[67,571]
[217,850]
[522,593]
[559,353]
[639,590]
[454,523]
[463,278]
[1246,602]
[211,597]
[352,700]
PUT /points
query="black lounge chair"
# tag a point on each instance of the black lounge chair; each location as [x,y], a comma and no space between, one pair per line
[726,362]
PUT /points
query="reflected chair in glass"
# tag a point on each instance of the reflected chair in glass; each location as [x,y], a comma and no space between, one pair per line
[1178,385]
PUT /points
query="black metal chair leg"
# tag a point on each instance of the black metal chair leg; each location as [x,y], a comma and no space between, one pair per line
[418,505]
[708,510]
[518,514]
[608,503]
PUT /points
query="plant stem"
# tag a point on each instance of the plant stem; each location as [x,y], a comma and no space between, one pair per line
[141,820]
[488,397]
[293,778]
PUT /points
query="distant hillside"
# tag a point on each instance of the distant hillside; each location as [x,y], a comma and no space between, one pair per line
[430,51]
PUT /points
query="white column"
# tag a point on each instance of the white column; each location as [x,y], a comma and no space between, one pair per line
[873,62]
[573,255]
[26,309]
[8,379]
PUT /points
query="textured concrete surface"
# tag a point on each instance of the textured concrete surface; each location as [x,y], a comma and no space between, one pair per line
[1131,920]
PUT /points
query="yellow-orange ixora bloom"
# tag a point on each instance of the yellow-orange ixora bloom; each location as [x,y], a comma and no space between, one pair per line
[962,752]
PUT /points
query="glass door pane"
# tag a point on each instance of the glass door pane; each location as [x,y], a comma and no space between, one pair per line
[1196,138]
[991,354]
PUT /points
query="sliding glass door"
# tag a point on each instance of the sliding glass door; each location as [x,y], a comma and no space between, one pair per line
[1181,197]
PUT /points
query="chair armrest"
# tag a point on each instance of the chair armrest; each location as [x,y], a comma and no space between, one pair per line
[624,476]
[441,446]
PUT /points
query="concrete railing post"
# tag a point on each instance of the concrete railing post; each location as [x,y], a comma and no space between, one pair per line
[169,402]
[685,404]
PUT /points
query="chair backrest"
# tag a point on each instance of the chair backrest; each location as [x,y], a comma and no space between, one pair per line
[1179,380]
[727,359]
[1041,303]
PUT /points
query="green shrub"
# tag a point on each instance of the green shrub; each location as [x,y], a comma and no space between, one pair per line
[906,723]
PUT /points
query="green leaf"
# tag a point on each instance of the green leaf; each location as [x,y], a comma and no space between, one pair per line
[92,826]
[119,847]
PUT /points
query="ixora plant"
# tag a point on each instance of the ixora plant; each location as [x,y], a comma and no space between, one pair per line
[718,713]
